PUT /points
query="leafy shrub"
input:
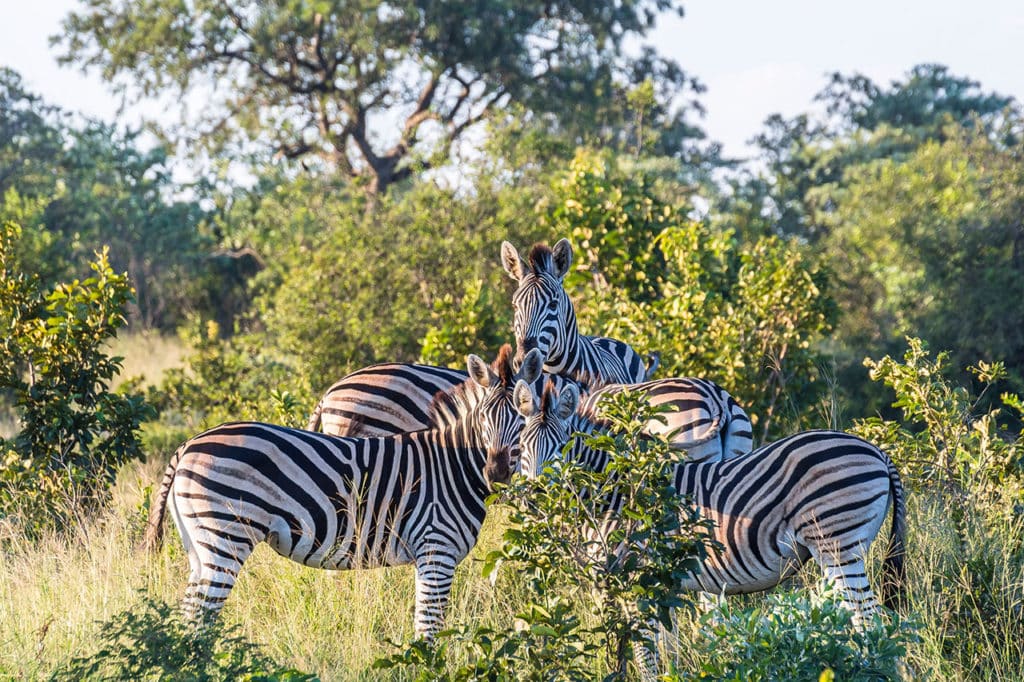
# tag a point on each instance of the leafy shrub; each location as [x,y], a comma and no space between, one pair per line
[791,636]
[591,591]
[151,641]
[230,380]
[944,444]
[749,314]
[74,431]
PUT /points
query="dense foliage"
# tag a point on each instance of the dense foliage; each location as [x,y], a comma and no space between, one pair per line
[560,544]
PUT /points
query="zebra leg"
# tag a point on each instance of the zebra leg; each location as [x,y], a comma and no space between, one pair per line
[850,578]
[214,559]
[434,574]
[645,653]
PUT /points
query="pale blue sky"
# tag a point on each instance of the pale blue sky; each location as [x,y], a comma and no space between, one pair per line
[755,58]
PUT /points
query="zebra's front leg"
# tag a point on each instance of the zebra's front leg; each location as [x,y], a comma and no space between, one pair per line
[850,578]
[645,653]
[434,574]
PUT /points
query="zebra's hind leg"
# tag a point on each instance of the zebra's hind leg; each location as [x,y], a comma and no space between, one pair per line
[434,574]
[214,565]
[849,577]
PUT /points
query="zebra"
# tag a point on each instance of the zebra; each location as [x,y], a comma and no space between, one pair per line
[544,318]
[342,503]
[821,494]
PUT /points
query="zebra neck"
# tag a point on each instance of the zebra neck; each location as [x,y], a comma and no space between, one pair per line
[578,360]
[580,451]
[459,449]
[563,355]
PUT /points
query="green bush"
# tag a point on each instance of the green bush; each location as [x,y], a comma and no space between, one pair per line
[947,442]
[590,591]
[151,641]
[751,315]
[230,380]
[74,432]
[791,636]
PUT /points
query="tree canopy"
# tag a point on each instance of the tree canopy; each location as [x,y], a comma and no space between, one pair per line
[376,91]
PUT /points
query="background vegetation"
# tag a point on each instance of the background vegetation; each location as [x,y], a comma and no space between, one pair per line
[362,167]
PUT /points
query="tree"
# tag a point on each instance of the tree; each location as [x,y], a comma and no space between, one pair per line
[99,186]
[933,246]
[319,79]
[30,136]
[75,432]
[806,157]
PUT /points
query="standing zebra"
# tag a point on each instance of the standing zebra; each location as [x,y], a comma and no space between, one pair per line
[820,494]
[341,503]
[544,318]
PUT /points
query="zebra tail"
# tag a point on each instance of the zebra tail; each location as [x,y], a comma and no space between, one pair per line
[653,361]
[894,570]
[154,536]
[314,419]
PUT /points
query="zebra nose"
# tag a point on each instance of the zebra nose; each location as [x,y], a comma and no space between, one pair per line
[498,468]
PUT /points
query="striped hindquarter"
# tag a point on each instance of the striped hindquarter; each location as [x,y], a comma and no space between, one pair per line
[816,494]
[701,417]
[544,318]
[383,399]
[338,503]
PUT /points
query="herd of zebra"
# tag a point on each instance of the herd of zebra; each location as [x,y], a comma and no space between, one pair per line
[398,459]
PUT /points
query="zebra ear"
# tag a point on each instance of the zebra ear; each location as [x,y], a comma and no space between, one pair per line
[562,254]
[567,402]
[532,365]
[480,371]
[522,396]
[513,264]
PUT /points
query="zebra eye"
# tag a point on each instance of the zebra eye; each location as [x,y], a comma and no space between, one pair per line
[552,304]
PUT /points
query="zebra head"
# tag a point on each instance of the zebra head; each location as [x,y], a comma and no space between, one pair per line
[495,416]
[546,427]
[544,317]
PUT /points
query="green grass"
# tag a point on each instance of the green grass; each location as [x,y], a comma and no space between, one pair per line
[54,594]
[146,355]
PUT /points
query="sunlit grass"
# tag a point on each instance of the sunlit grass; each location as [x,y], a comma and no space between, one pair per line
[147,355]
[55,592]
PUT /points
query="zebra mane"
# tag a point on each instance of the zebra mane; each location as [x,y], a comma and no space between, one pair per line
[464,396]
[547,397]
[541,258]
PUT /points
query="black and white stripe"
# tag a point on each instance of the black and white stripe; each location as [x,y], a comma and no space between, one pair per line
[340,503]
[545,318]
[383,399]
[820,494]
[702,417]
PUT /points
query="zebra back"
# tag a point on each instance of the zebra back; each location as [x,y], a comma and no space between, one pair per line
[383,399]
[702,417]
[544,318]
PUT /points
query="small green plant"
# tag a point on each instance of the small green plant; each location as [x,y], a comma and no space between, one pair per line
[946,443]
[230,380]
[602,574]
[793,636]
[74,432]
[152,641]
